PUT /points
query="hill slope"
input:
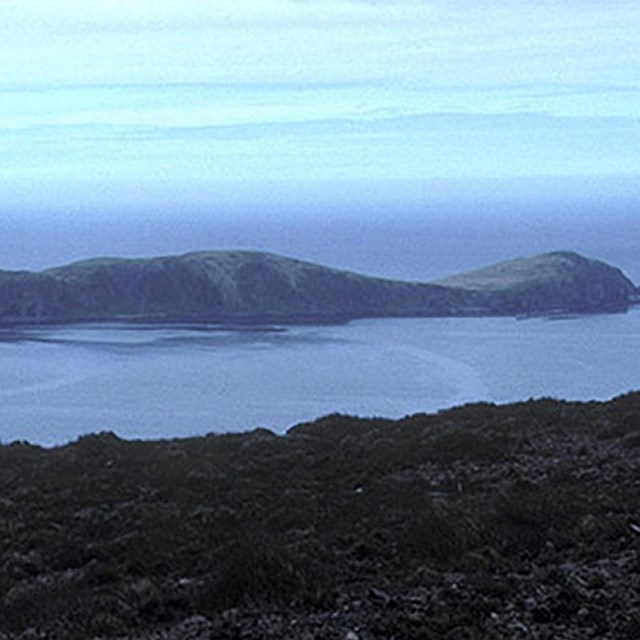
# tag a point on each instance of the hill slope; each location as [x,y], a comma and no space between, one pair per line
[257,287]
[489,522]
[561,281]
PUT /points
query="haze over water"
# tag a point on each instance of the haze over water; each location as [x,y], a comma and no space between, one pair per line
[419,240]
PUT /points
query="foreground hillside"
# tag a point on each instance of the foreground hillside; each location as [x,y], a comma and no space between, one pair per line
[496,522]
[244,286]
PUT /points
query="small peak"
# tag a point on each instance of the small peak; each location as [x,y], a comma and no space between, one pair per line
[567,255]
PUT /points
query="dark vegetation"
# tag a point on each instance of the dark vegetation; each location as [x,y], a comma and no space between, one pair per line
[484,521]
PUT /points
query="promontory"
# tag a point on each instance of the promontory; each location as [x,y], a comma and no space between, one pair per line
[249,286]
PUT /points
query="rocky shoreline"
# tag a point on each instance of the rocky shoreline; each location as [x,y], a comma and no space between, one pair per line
[492,522]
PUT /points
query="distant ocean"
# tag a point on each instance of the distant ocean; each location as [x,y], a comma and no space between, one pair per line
[404,240]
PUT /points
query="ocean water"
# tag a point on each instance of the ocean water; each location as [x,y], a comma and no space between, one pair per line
[422,240]
[57,383]
[147,382]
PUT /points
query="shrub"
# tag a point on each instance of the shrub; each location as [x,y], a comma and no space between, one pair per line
[258,570]
[441,534]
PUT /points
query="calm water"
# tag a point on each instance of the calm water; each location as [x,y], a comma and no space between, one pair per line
[147,382]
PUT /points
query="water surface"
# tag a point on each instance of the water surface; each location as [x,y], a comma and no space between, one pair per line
[165,381]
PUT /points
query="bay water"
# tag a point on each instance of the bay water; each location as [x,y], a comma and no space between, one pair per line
[145,381]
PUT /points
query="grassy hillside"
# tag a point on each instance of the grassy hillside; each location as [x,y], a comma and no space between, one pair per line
[520,272]
[561,281]
[233,286]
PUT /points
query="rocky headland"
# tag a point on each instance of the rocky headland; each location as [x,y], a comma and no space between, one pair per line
[480,522]
[245,286]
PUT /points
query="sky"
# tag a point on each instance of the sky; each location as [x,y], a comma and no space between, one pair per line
[290,108]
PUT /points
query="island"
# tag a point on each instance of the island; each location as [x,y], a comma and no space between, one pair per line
[257,287]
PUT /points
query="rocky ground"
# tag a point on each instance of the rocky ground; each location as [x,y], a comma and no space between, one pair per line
[482,522]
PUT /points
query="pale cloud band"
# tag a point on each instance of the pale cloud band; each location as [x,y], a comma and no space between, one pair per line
[221,93]
[198,14]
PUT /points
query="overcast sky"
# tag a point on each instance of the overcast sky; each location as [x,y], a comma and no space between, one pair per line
[152,103]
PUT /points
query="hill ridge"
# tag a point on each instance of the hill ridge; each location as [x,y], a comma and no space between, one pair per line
[256,286]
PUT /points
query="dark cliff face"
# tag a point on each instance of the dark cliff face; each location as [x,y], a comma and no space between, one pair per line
[252,286]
